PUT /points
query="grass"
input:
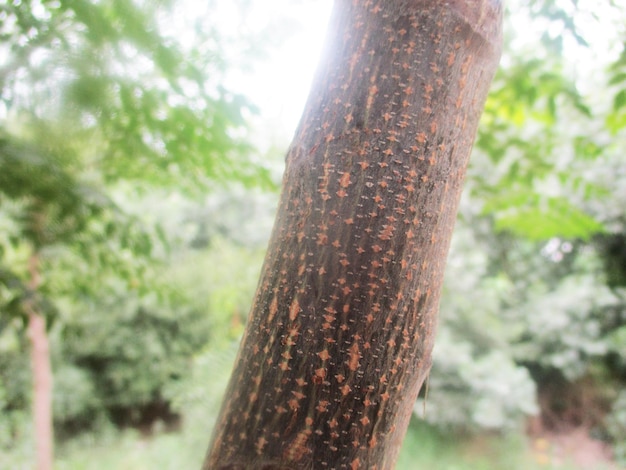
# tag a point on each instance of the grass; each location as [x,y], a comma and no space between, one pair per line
[424,448]
[427,448]
[128,451]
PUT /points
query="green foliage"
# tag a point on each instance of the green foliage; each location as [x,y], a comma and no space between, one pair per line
[105,118]
[572,333]
[616,426]
[541,135]
[613,250]
[128,357]
[475,382]
[616,120]
[469,392]
[534,278]
[75,395]
[105,73]
[512,306]
[537,217]
[14,385]
[200,397]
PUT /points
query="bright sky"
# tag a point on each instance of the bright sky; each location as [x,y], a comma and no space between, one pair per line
[280,84]
[282,73]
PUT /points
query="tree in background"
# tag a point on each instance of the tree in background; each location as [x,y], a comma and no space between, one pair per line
[339,339]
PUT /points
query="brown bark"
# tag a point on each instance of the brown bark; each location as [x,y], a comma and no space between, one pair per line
[42,376]
[339,339]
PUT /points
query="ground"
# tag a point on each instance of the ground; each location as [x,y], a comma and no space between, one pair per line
[572,447]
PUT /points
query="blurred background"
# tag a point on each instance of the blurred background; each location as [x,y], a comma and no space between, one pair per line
[141,152]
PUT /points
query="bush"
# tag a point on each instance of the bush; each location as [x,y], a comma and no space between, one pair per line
[511,307]
[121,362]
[616,427]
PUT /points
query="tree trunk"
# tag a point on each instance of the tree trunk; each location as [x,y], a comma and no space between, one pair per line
[42,376]
[339,339]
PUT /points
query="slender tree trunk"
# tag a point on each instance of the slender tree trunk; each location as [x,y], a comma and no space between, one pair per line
[42,375]
[339,339]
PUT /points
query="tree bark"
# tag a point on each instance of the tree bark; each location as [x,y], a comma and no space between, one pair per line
[339,339]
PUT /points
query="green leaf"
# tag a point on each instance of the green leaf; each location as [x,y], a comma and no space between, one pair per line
[619,101]
[617,78]
[541,222]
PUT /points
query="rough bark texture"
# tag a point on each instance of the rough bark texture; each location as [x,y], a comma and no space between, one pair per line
[339,339]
